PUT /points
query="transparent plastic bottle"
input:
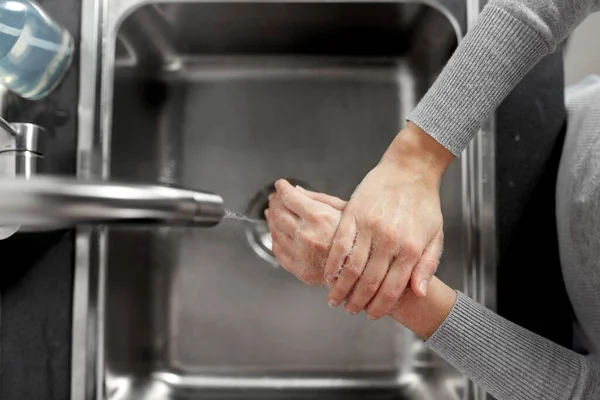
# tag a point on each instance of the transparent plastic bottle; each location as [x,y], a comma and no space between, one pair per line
[35,52]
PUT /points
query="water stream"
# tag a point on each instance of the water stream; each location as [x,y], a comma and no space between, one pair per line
[238,216]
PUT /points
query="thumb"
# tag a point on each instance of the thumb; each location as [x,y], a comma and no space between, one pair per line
[427,265]
[331,201]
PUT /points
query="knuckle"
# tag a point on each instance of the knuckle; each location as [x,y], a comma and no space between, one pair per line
[387,229]
[389,235]
[374,223]
[275,234]
[351,272]
[430,266]
[342,288]
[411,250]
[369,287]
[389,295]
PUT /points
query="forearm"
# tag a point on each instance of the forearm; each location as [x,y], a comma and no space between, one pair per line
[505,359]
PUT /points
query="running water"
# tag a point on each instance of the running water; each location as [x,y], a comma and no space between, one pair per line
[238,216]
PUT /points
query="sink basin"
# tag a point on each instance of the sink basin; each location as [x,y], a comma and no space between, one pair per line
[228,97]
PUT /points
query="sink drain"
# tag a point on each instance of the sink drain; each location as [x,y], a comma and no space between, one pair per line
[257,233]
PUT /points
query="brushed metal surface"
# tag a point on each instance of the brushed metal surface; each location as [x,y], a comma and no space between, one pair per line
[229,97]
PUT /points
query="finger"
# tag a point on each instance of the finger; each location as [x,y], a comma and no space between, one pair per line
[278,235]
[285,241]
[352,270]
[293,198]
[282,218]
[341,246]
[391,289]
[332,201]
[284,259]
[427,265]
[367,286]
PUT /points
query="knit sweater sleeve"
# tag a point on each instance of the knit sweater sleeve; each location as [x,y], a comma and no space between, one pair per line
[510,37]
[509,361]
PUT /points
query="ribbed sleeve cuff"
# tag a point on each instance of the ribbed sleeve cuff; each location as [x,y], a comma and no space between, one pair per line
[507,360]
[492,58]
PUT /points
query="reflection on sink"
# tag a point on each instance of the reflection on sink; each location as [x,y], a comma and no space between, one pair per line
[230,97]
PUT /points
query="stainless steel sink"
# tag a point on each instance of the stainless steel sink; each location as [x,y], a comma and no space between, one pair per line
[229,97]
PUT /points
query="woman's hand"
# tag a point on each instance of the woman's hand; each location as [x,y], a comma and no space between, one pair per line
[391,231]
[302,225]
[301,242]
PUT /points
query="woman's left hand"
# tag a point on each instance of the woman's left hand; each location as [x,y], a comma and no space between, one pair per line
[302,225]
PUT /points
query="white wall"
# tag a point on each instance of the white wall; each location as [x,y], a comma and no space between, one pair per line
[582,53]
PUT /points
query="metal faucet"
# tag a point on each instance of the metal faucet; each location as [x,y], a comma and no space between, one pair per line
[37,202]
[21,149]
[41,202]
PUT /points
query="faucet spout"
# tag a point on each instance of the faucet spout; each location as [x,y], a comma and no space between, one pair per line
[52,201]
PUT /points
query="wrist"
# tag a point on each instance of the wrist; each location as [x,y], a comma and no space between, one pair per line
[424,315]
[415,151]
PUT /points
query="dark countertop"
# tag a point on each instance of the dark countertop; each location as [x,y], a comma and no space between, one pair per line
[36,285]
[531,124]
[36,288]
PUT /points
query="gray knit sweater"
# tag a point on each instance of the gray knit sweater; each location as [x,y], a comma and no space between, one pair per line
[505,359]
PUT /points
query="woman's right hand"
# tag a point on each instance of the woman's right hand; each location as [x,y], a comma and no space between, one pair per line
[391,232]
